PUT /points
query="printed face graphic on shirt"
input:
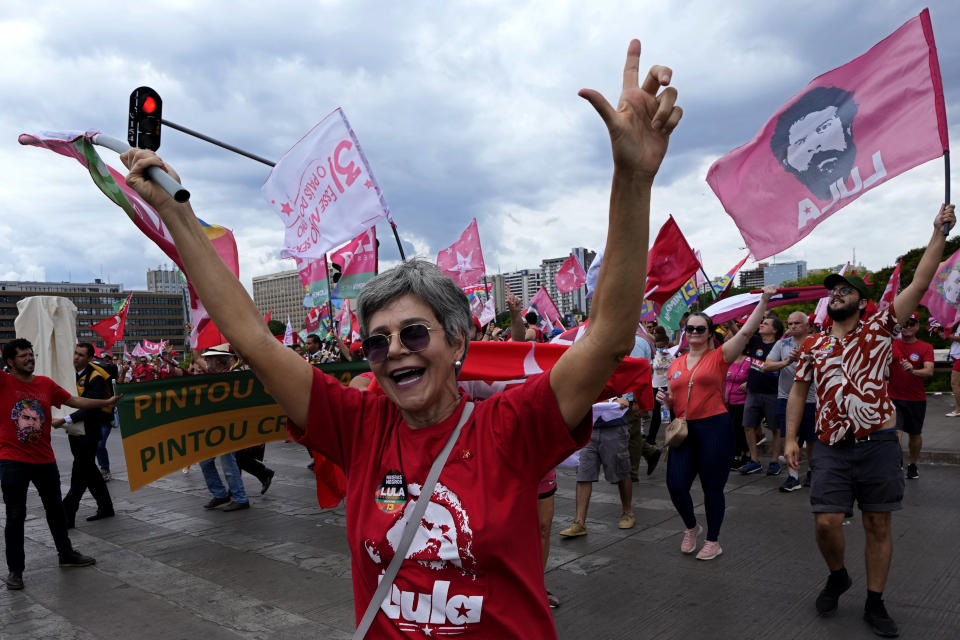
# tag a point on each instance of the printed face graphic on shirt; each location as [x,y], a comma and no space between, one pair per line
[443,540]
[28,418]
[443,546]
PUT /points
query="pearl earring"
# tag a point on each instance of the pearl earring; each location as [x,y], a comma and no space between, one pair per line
[457,363]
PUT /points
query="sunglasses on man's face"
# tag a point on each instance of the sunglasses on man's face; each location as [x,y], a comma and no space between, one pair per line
[842,291]
[413,337]
[695,328]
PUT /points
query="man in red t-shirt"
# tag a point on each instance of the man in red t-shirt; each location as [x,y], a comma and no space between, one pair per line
[912,364]
[26,455]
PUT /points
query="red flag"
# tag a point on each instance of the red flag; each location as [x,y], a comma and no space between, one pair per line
[571,275]
[331,482]
[547,314]
[670,263]
[463,260]
[266,318]
[890,292]
[111,329]
[848,131]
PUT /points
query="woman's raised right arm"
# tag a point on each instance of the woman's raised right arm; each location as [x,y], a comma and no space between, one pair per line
[288,377]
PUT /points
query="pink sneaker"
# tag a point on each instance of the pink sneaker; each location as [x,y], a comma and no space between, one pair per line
[709,551]
[689,544]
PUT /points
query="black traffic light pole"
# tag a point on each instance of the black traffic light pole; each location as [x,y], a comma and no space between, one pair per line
[228,147]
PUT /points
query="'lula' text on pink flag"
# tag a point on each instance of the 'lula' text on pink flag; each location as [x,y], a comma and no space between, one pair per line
[848,131]
[323,190]
[463,260]
[570,275]
[943,296]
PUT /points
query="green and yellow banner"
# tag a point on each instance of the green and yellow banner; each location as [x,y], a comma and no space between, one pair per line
[171,423]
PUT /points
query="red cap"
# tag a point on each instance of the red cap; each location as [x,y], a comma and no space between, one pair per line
[915,316]
[356,346]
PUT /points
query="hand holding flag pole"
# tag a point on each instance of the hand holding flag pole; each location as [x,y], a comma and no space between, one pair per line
[158,175]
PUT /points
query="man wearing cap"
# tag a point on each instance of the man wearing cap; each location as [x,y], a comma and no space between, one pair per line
[912,364]
[857,453]
[220,359]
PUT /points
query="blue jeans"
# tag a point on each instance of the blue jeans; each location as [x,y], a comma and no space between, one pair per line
[103,459]
[231,471]
[706,452]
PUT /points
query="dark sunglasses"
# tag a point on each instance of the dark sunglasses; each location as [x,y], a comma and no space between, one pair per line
[413,337]
[695,328]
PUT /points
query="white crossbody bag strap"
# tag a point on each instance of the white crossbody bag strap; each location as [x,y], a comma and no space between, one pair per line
[411,528]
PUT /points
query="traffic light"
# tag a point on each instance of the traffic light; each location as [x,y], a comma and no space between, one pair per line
[143,124]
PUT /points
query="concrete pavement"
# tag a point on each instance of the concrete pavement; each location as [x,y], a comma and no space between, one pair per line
[166,568]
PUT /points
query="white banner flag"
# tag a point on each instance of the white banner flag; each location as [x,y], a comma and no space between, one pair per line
[323,190]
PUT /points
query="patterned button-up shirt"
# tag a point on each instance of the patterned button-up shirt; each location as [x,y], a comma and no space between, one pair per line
[851,377]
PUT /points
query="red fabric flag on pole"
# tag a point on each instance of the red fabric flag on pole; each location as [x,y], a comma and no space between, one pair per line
[890,292]
[670,263]
[848,131]
[463,260]
[943,296]
[313,320]
[111,329]
[570,275]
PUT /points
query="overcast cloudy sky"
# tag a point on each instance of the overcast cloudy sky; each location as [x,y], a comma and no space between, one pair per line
[464,109]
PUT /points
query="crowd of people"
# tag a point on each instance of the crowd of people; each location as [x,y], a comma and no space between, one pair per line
[483,460]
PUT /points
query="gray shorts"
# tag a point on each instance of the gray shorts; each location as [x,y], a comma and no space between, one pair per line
[759,406]
[869,472]
[608,446]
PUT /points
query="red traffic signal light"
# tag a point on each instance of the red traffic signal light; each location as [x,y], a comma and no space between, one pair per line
[143,121]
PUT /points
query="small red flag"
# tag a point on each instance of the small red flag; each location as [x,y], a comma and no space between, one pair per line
[670,263]
[463,260]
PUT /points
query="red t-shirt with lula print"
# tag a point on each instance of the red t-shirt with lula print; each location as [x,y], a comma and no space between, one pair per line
[851,377]
[474,568]
[25,417]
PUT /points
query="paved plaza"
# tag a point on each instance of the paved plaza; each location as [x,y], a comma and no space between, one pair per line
[166,568]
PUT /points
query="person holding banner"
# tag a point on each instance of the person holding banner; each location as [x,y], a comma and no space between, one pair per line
[858,455]
[475,548]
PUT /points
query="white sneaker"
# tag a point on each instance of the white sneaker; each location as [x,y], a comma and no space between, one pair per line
[953,414]
[782,459]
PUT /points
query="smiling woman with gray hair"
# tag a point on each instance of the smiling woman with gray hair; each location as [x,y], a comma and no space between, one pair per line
[470,559]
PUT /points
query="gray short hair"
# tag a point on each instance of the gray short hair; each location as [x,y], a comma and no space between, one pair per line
[426,282]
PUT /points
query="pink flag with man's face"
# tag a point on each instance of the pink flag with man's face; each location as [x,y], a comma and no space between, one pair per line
[848,131]
[943,296]
[571,275]
[463,260]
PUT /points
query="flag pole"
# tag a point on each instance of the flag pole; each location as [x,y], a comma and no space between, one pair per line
[158,175]
[709,282]
[397,238]
[946,185]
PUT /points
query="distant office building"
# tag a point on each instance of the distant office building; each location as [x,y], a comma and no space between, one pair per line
[152,316]
[165,281]
[523,284]
[281,294]
[752,278]
[781,272]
